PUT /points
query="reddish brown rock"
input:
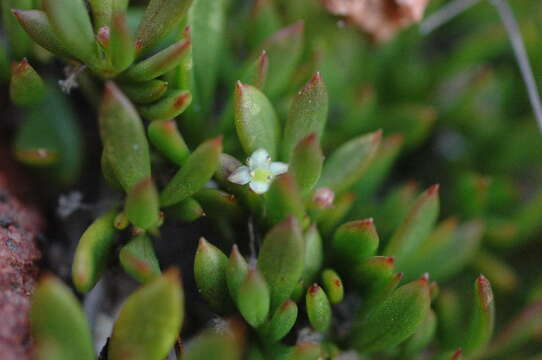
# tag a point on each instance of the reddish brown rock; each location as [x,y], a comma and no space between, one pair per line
[20,224]
[381,19]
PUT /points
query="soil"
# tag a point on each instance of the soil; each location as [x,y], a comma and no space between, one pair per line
[20,227]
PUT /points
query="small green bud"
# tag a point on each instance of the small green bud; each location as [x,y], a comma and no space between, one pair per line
[210,274]
[333,286]
[165,136]
[318,308]
[93,251]
[157,305]
[26,87]
[139,260]
[253,298]
[121,221]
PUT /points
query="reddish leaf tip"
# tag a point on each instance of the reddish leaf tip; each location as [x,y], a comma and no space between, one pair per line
[20,66]
[389,259]
[314,288]
[182,99]
[425,278]
[377,137]
[457,354]
[202,243]
[433,190]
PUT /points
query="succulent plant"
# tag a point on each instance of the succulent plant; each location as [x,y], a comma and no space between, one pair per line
[290,143]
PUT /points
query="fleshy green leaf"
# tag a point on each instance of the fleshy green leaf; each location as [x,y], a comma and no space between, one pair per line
[123,137]
[253,298]
[142,206]
[165,136]
[318,308]
[139,260]
[160,17]
[38,27]
[314,254]
[187,210]
[158,64]
[482,319]
[281,322]
[210,274]
[26,87]
[308,115]
[169,106]
[157,305]
[306,163]
[196,172]
[59,328]
[19,42]
[218,204]
[280,260]
[145,92]
[333,286]
[236,272]
[416,226]
[283,199]
[355,241]
[284,49]
[348,163]
[71,24]
[395,319]
[122,50]
[422,337]
[255,120]
[207,19]
[93,250]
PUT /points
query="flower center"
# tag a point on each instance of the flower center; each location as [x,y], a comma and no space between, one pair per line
[261,175]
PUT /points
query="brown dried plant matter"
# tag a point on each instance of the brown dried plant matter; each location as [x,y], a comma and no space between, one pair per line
[381,19]
[20,225]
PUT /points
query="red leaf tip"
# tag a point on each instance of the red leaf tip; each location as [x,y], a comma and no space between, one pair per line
[425,278]
[314,288]
[457,354]
[433,190]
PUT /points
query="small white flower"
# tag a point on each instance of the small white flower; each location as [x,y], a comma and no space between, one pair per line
[259,173]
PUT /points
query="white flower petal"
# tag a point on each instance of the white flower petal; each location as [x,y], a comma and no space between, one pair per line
[259,187]
[259,159]
[278,168]
[240,176]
